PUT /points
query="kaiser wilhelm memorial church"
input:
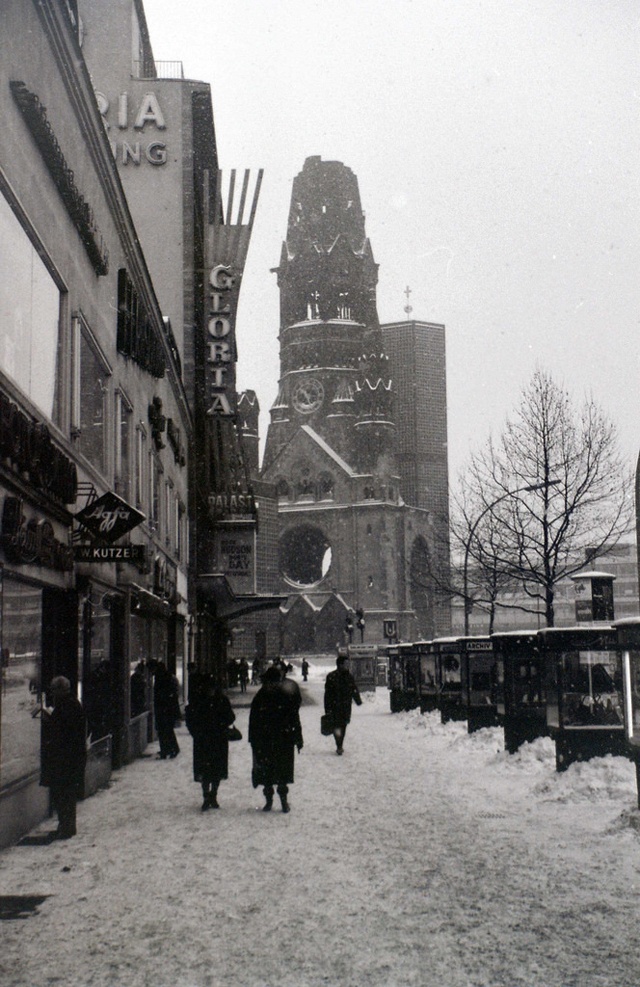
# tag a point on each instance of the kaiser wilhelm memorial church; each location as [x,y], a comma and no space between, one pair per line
[356,449]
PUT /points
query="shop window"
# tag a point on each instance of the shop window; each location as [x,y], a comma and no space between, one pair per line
[94,645]
[29,315]
[21,680]
[91,388]
[123,430]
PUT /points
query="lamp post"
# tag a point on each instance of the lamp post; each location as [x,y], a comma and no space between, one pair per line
[468,607]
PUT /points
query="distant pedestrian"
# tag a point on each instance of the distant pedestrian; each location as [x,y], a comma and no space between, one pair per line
[255,671]
[208,718]
[274,732]
[167,710]
[64,754]
[305,669]
[243,671]
[280,665]
[340,690]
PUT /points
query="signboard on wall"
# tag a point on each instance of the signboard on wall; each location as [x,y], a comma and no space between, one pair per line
[226,245]
[235,556]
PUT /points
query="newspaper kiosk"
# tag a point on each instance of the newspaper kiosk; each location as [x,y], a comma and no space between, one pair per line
[583,674]
[481,682]
[448,681]
[428,676]
[628,637]
[522,705]
[403,677]
[363,661]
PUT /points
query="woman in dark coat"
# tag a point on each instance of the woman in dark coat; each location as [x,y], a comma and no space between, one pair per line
[274,731]
[208,718]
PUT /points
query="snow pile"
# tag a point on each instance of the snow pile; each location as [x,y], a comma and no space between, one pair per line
[600,779]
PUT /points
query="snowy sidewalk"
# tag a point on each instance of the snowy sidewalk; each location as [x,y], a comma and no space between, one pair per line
[422,858]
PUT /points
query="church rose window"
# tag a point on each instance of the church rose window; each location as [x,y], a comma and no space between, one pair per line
[305,555]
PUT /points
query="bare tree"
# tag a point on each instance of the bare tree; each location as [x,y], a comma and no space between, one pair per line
[556,487]
[478,572]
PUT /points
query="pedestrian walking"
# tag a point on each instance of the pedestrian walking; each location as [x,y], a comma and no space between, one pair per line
[208,718]
[305,669]
[255,671]
[340,690]
[280,665]
[243,671]
[64,754]
[167,710]
[274,732]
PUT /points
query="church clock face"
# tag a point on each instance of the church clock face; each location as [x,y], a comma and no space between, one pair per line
[307,395]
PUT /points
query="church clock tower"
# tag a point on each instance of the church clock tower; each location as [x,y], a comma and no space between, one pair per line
[345,533]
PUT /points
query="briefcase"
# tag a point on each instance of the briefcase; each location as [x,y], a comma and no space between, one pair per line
[326,725]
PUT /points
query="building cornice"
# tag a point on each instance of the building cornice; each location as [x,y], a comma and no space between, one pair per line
[81,95]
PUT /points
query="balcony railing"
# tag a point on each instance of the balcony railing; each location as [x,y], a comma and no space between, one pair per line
[158,70]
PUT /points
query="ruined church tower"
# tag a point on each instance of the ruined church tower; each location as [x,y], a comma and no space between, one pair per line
[346,537]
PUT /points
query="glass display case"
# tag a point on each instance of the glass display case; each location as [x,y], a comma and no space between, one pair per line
[583,681]
[628,639]
[448,678]
[403,677]
[482,682]
[522,703]
[427,670]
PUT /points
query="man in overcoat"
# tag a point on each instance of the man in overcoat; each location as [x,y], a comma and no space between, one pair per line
[167,710]
[64,754]
[340,690]
[274,731]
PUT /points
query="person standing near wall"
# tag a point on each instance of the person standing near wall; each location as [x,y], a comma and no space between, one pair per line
[64,754]
[167,710]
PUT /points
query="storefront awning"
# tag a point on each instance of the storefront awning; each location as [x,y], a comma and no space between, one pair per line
[147,604]
[214,589]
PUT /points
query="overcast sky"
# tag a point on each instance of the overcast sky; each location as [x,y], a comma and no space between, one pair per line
[496,144]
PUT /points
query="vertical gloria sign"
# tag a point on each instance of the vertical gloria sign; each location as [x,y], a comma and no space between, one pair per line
[226,246]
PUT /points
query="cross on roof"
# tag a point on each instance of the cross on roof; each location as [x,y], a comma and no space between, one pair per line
[408,308]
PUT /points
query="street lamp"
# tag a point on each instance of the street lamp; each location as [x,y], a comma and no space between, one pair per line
[465,571]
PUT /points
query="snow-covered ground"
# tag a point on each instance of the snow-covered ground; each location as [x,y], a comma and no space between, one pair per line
[423,857]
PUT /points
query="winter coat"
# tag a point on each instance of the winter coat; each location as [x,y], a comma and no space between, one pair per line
[165,698]
[64,746]
[340,690]
[208,719]
[274,731]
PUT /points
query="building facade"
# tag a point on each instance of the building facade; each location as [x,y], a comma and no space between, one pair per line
[195,238]
[349,540]
[94,421]
[417,360]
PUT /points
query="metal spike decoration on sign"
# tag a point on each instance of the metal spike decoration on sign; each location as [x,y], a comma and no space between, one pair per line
[227,236]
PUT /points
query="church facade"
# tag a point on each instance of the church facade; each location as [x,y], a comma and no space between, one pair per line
[351,544]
